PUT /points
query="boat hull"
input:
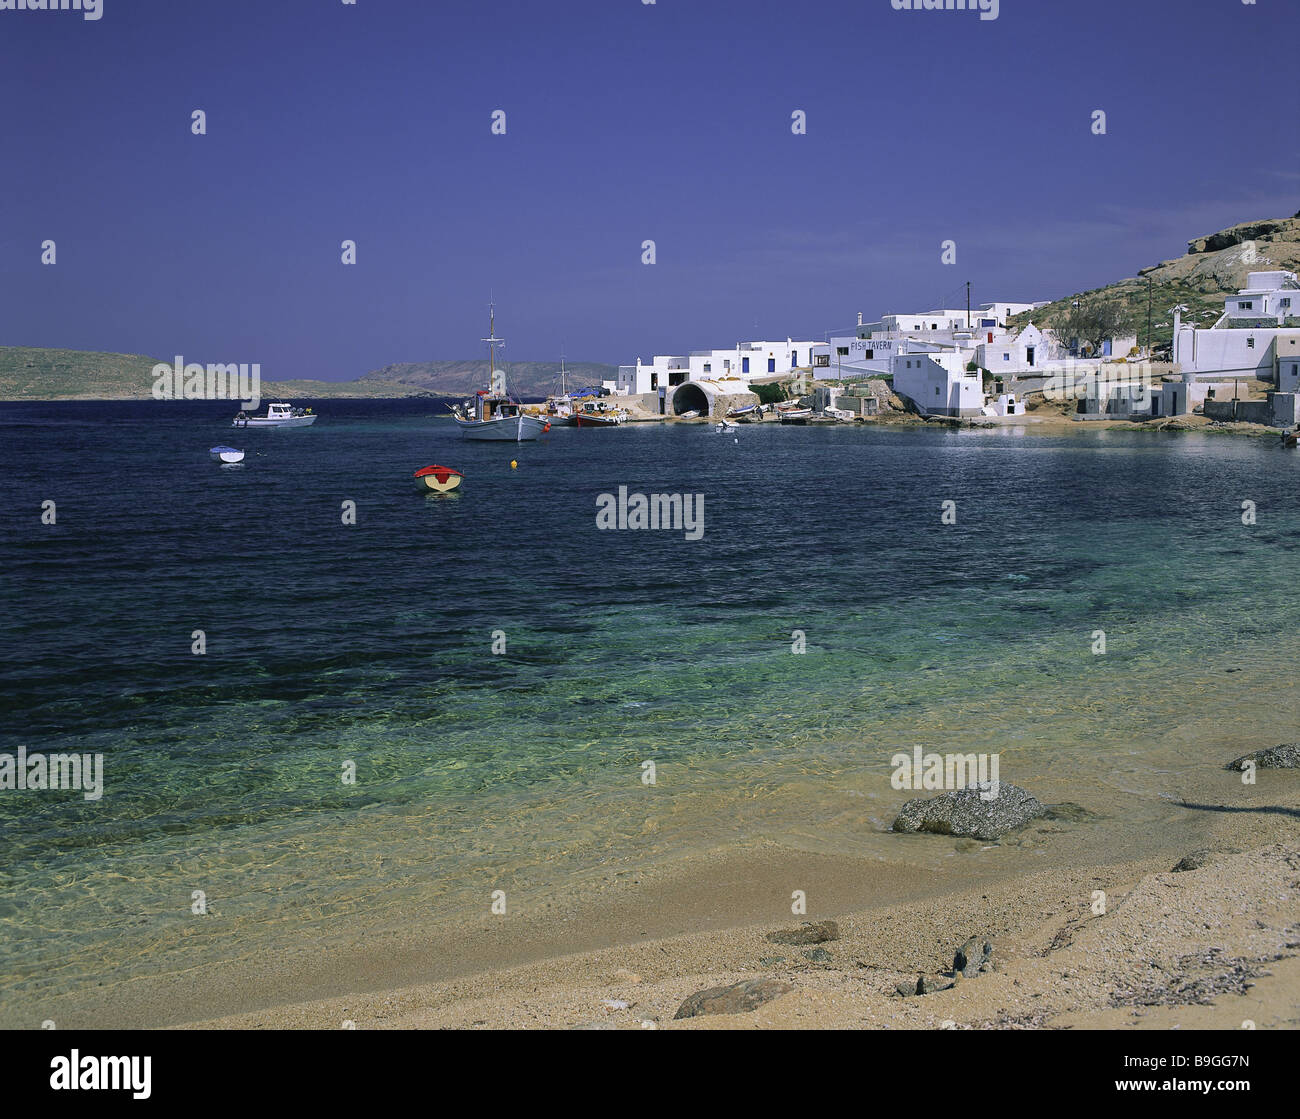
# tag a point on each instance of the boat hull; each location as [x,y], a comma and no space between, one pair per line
[596,421]
[507,429]
[292,421]
[437,479]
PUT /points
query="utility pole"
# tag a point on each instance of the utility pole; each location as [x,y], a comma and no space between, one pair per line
[967,304]
[1150,352]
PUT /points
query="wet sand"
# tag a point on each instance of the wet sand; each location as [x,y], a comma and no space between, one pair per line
[1207,948]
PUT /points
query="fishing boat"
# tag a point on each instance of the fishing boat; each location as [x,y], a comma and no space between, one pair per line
[492,414]
[746,411]
[693,414]
[1289,438]
[437,479]
[226,454]
[796,415]
[278,414]
[598,415]
[559,409]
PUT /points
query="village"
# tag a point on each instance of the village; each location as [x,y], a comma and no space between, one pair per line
[992,364]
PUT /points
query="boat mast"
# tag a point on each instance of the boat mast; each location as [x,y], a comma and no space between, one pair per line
[496,386]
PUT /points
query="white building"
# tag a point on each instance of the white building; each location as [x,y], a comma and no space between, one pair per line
[852,358]
[870,352]
[938,384]
[1255,334]
[1288,362]
[747,360]
[1029,351]
[946,320]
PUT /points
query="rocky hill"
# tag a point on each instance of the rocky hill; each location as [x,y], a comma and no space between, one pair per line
[28,373]
[1213,267]
[524,378]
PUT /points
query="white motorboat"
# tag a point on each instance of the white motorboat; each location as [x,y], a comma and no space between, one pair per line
[278,414]
[226,454]
[492,414]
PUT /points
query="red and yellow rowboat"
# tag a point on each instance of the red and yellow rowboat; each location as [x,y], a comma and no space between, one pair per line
[437,479]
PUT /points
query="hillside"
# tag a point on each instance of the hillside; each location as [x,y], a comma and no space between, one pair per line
[28,373]
[526,378]
[1213,267]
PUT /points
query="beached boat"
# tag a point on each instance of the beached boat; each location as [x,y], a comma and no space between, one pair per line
[558,409]
[226,454]
[492,414]
[693,414]
[437,479]
[278,414]
[744,412]
[594,415]
[796,415]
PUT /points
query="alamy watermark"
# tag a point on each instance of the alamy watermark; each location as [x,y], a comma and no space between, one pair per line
[181,381]
[919,770]
[675,512]
[53,771]
[89,9]
[988,9]
[1078,380]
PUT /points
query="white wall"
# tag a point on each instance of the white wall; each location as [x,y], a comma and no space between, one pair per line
[939,384]
[1229,352]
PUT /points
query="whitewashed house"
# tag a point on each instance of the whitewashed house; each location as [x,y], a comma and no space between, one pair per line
[938,384]
[1257,331]
[1027,352]
[746,360]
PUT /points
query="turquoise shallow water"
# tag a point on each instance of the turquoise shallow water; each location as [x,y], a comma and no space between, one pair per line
[371,644]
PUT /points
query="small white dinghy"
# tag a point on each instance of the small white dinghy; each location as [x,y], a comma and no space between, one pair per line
[226,454]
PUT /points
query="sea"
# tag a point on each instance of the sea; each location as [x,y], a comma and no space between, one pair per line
[321,697]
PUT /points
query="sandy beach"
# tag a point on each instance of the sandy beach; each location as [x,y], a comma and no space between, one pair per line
[1211,947]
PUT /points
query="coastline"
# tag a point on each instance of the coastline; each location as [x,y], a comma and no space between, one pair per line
[1041,420]
[1213,948]
[1207,948]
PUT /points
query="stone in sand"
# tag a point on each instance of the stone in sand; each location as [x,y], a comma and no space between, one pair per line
[807,933]
[1286,756]
[965,812]
[1194,861]
[929,986]
[735,999]
[817,955]
[973,956]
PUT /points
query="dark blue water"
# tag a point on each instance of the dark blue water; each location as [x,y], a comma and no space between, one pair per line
[330,644]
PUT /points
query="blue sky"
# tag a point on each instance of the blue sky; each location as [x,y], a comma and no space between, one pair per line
[624,122]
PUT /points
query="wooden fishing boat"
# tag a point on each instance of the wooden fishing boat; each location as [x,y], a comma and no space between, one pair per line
[591,416]
[492,414]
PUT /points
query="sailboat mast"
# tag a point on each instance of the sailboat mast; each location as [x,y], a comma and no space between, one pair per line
[494,387]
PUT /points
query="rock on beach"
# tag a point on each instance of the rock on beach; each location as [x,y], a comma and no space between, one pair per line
[965,813]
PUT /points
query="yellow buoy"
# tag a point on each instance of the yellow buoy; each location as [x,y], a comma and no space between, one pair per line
[514,465]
